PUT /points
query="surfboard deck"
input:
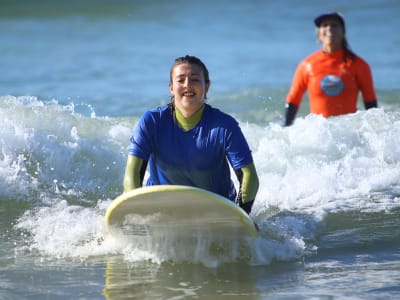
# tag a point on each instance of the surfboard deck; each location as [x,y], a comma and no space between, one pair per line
[181,210]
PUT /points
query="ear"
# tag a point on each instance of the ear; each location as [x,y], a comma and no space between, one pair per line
[208,86]
[171,89]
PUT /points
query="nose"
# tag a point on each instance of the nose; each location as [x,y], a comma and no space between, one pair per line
[187,82]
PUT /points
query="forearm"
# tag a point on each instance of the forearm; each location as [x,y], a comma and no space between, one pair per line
[371,104]
[290,113]
[132,178]
[248,180]
[250,183]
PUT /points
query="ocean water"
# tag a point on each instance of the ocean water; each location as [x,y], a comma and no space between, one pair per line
[75,78]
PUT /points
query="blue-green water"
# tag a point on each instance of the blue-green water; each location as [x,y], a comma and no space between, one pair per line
[75,78]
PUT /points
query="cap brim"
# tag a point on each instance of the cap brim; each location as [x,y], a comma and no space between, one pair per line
[319,19]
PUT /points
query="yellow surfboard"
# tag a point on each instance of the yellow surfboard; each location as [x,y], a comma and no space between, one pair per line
[181,210]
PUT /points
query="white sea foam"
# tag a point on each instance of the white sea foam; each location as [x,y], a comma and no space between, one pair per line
[71,171]
[322,165]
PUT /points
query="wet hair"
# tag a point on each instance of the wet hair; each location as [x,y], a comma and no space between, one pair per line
[192,60]
[348,53]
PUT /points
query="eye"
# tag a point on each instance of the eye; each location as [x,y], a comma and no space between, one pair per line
[179,80]
[195,78]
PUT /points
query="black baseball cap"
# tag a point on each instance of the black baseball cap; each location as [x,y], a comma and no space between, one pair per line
[318,20]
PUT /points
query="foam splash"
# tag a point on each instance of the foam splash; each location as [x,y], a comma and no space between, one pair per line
[313,168]
[325,165]
[212,251]
[48,146]
[63,231]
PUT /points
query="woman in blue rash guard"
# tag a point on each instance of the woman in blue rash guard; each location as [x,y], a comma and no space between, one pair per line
[188,142]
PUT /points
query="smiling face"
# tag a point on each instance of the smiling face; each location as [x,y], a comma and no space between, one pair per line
[188,87]
[331,34]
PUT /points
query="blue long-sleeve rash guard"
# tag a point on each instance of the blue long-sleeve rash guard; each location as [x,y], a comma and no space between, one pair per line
[198,157]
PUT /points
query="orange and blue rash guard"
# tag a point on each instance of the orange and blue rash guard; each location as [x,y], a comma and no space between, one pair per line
[332,83]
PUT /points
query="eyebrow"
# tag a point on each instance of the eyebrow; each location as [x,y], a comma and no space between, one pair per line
[184,75]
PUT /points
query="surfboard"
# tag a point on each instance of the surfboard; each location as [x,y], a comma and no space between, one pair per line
[180,210]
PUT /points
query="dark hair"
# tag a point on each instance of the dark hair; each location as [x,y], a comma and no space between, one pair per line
[192,60]
[348,53]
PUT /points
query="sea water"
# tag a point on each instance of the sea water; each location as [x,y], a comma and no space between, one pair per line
[76,77]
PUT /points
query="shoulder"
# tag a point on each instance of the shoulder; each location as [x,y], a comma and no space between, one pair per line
[160,110]
[155,117]
[361,66]
[157,113]
[216,115]
[315,55]
[307,62]
[360,60]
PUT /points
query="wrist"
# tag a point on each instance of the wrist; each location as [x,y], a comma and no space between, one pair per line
[246,206]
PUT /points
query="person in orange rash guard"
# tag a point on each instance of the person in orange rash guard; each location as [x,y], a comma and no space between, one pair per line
[332,76]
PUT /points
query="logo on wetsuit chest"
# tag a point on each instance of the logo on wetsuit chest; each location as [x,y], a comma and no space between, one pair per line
[332,85]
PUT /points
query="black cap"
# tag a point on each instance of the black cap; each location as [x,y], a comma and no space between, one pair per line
[319,19]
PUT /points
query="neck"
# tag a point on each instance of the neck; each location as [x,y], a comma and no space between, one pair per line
[187,123]
[329,48]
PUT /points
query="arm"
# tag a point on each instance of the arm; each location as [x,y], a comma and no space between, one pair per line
[295,94]
[134,173]
[290,113]
[249,184]
[366,84]
[371,104]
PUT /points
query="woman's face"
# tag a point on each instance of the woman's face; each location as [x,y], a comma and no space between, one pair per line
[331,33]
[188,87]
